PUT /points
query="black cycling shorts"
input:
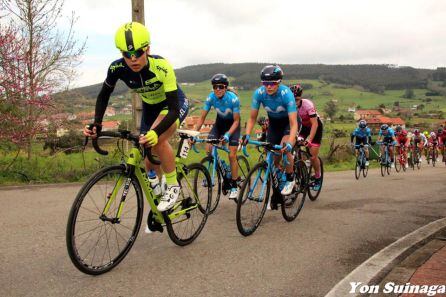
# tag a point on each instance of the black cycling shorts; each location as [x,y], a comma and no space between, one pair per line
[305,132]
[277,129]
[222,126]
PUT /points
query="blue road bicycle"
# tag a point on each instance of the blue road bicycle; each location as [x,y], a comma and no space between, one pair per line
[385,160]
[360,161]
[220,171]
[254,195]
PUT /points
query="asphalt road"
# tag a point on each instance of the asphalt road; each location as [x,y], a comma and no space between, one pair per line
[350,221]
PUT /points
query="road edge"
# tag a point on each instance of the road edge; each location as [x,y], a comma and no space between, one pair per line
[373,270]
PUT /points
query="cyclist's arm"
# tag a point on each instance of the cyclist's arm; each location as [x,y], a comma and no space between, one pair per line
[235,124]
[102,102]
[314,125]
[204,113]
[172,115]
[252,119]
[293,127]
[352,136]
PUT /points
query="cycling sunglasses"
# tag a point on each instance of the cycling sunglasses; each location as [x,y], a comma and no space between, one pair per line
[270,83]
[218,87]
[138,53]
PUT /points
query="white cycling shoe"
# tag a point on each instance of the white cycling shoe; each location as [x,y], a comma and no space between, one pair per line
[392,165]
[233,193]
[367,163]
[169,198]
[288,188]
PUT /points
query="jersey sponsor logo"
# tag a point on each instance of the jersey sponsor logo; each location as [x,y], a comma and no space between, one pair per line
[150,88]
[278,109]
[162,69]
[227,112]
[114,67]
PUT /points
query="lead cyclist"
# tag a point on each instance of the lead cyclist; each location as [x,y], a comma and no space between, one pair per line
[164,105]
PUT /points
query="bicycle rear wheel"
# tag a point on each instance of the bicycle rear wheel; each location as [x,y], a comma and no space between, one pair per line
[365,171]
[96,243]
[292,205]
[187,218]
[312,193]
[253,199]
[434,156]
[215,176]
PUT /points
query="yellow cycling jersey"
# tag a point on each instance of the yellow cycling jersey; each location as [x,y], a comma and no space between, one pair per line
[151,83]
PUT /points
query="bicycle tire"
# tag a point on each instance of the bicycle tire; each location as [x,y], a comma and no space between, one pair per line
[290,211]
[434,156]
[358,167]
[311,195]
[216,184]
[397,164]
[365,171]
[241,202]
[74,250]
[187,200]
[383,169]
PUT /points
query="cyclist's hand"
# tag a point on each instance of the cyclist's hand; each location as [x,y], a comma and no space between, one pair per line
[192,140]
[92,130]
[287,147]
[245,139]
[308,143]
[151,138]
[225,138]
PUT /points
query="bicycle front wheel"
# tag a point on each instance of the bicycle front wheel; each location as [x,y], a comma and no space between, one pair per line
[100,234]
[357,169]
[253,199]
[313,192]
[293,204]
[215,184]
[187,218]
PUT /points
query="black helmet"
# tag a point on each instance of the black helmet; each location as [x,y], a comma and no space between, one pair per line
[297,90]
[398,128]
[220,79]
[271,73]
[384,127]
[362,124]
[440,130]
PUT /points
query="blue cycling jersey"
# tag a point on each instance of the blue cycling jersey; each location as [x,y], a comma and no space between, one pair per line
[361,133]
[278,105]
[390,133]
[225,106]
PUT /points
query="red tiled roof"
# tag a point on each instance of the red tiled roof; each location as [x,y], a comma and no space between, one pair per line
[368,111]
[110,124]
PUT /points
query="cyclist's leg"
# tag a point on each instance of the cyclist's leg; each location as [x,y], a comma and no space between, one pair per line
[233,145]
[314,150]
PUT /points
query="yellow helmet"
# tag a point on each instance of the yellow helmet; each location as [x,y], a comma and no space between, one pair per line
[132,36]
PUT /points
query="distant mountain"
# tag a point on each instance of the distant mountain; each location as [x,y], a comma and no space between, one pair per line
[376,78]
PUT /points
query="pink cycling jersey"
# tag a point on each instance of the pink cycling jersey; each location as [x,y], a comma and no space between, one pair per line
[306,110]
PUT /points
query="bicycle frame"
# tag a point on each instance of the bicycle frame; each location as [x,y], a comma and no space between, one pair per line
[269,173]
[132,163]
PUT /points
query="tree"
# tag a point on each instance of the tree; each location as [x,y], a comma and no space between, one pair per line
[396,103]
[420,107]
[409,94]
[382,105]
[43,61]
[331,109]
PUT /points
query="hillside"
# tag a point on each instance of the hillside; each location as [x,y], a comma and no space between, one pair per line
[375,78]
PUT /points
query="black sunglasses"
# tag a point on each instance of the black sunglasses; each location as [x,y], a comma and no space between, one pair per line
[138,53]
[218,87]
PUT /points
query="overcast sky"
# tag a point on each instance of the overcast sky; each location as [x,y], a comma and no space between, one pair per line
[187,32]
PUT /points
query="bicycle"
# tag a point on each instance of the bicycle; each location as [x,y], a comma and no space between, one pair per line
[220,171]
[432,154]
[305,155]
[360,161]
[400,159]
[414,158]
[385,159]
[106,214]
[254,195]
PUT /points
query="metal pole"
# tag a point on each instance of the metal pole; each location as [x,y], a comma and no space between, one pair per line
[137,16]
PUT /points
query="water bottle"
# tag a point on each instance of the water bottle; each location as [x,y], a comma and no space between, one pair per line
[154,182]
[308,163]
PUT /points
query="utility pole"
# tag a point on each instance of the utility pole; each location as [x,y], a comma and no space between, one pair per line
[137,16]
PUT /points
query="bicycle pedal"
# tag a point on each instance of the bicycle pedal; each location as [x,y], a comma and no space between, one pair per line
[153,224]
